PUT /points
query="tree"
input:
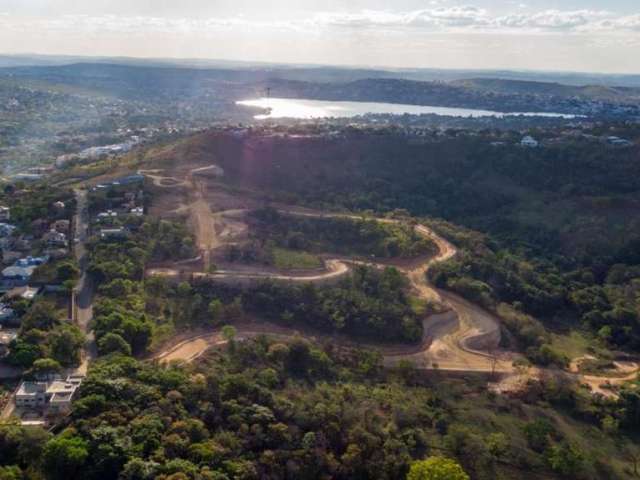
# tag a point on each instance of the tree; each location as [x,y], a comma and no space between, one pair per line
[23,354]
[235,310]
[113,343]
[436,468]
[45,367]
[565,459]
[67,271]
[229,334]
[215,310]
[497,444]
[12,472]
[66,343]
[537,433]
[41,316]
[64,457]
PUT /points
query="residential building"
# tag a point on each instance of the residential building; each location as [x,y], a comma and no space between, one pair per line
[61,226]
[529,141]
[53,238]
[5,214]
[56,253]
[56,395]
[129,180]
[108,215]
[113,233]
[138,211]
[6,337]
[6,229]
[26,293]
[20,272]
[17,276]
[7,315]
[619,142]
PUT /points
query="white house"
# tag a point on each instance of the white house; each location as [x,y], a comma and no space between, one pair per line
[56,395]
[5,214]
[529,141]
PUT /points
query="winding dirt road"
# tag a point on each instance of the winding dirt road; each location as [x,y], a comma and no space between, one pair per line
[464,338]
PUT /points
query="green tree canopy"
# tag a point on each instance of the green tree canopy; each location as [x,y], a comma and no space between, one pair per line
[436,468]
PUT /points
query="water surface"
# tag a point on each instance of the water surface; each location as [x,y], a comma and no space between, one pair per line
[307,109]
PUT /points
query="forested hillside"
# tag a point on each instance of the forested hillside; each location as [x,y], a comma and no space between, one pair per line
[561,234]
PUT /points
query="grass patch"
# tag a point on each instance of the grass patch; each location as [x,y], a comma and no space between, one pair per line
[293,259]
[573,345]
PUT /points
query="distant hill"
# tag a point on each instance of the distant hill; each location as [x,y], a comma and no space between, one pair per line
[165,82]
[328,73]
[614,94]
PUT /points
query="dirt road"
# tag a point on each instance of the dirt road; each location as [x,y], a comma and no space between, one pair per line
[464,337]
[459,339]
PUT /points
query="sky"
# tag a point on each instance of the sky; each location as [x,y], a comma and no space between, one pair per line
[553,35]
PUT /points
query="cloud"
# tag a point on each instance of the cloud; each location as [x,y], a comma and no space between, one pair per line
[435,19]
[552,20]
[471,18]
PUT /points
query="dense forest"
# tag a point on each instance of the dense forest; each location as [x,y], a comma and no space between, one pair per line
[291,241]
[368,304]
[261,409]
[561,239]
[344,236]
[131,312]
[546,239]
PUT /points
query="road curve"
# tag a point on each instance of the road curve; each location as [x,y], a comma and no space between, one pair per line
[464,338]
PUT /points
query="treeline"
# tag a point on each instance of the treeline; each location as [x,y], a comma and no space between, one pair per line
[346,236]
[370,303]
[120,316]
[46,341]
[149,240]
[263,409]
[600,299]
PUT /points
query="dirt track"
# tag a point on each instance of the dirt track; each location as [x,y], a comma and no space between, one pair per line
[464,338]
[459,339]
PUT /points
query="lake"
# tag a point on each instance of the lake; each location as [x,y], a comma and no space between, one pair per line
[306,109]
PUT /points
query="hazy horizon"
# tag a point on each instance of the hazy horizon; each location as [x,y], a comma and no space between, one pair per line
[210,62]
[589,36]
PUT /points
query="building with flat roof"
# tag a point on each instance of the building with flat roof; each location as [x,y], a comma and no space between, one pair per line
[113,233]
[5,213]
[19,274]
[55,395]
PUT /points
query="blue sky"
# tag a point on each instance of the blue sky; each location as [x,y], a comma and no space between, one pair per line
[578,35]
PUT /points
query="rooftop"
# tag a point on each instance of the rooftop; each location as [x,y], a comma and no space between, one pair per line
[7,336]
[16,271]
